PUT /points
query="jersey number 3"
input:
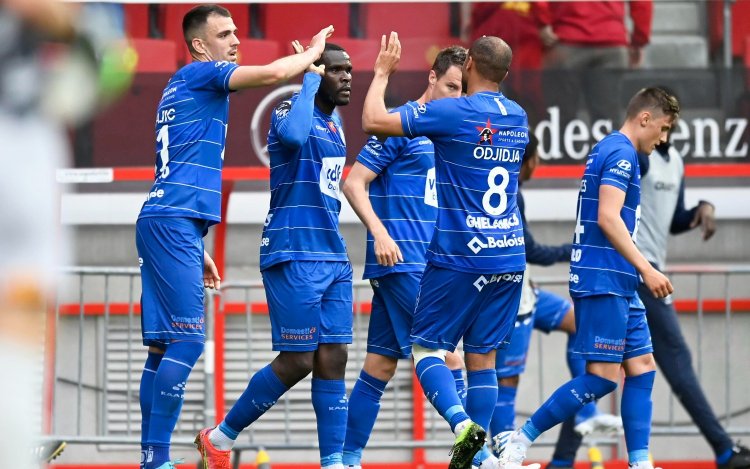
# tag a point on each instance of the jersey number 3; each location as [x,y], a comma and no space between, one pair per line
[163,138]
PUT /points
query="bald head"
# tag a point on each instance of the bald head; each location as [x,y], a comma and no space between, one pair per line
[491,56]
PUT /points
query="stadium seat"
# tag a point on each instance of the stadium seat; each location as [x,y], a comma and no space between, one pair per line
[418,53]
[281,21]
[136,20]
[409,20]
[740,26]
[258,51]
[155,55]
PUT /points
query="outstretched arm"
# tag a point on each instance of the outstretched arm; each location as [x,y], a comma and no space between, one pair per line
[355,189]
[282,69]
[376,119]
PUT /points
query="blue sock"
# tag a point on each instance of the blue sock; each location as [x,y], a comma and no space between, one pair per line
[458,376]
[146,396]
[636,409]
[505,410]
[481,396]
[364,404]
[439,388]
[724,457]
[568,399]
[169,393]
[261,393]
[577,367]
[331,410]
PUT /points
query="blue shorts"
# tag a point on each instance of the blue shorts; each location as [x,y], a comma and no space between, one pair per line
[611,328]
[170,253]
[480,308]
[309,303]
[393,300]
[547,315]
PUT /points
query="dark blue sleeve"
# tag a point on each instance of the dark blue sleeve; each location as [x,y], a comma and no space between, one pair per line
[682,217]
[540,254]
[644,163]
[293,120]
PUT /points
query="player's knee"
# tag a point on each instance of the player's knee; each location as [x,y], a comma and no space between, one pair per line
[185,351]
[454,361]
[509,381]
[420,353]
[291,367]
[380,366]
[330,361]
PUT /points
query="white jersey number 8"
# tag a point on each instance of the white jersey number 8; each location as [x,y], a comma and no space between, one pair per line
[496,189]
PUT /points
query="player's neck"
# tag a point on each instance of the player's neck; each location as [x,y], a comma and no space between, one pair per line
[479,85]
[630,132]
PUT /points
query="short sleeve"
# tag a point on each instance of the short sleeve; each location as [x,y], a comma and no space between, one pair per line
[210,75]
[377,154]
[433,119]
[619,168]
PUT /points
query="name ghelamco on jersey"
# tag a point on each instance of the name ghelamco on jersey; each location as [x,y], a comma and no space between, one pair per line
[490,223]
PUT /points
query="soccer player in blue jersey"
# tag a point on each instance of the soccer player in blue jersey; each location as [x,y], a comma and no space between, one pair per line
[604,273]
[305,268]
[184,201]
[545,311]
[471,286]
[391,187]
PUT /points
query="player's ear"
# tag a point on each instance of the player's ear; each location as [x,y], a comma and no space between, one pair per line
[432,78]
[198,45]
[645,118]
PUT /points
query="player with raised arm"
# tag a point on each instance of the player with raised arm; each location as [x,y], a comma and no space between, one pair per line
[391,187]
[306,272]
[471,286]
[184,201]
[604,271]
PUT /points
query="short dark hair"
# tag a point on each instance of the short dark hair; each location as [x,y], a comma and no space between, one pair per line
[492,57]
[196,18]
[653,99]
[447,58]
[329,47]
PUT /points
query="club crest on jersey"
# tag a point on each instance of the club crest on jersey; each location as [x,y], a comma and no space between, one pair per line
[283,109]
[485,133]
[332,126]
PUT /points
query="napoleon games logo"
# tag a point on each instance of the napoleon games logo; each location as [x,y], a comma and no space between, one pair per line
[486,133]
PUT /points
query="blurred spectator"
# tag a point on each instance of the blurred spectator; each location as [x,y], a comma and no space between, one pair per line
[513,22]
[34,145]
[585,42]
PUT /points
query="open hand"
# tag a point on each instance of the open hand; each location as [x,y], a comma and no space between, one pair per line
[319,69]
[389,55]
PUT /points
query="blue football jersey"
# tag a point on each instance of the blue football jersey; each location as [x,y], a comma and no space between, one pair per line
[403,196]
[308,152]
[479,143]
[596,268]
[191,130]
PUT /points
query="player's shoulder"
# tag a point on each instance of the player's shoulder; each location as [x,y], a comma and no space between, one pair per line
[281,110]
[616,144]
